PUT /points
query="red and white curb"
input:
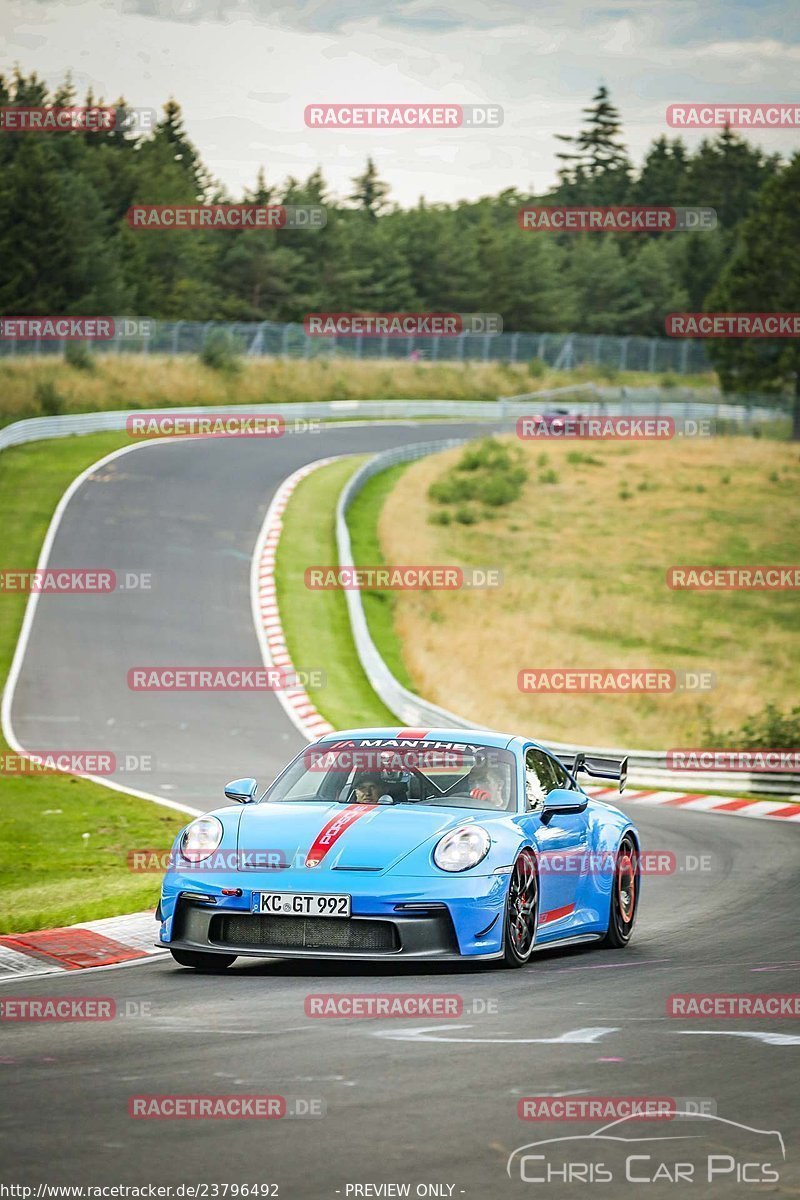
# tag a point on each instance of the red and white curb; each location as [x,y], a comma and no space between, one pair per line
[104,943]
[764,810]
[296,701]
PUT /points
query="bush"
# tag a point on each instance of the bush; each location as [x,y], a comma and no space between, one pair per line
[537,368]
[488,471]
[578,457]
[768,730]
[219,352]
[78,355]
[668,381]
[48,398]
[548,476]
[439,517]
[466,516]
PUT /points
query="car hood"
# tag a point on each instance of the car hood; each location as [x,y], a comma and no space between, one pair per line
[346,836]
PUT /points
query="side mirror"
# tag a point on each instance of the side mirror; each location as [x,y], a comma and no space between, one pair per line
[242,791]
[562,800]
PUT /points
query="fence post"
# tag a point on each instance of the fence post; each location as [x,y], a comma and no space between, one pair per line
[653,349]
[175,334]
[514,344]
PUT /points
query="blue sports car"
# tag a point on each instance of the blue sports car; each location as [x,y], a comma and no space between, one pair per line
[384,844]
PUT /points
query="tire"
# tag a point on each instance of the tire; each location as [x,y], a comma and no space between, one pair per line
[209,964]
[624,895]
[521,912]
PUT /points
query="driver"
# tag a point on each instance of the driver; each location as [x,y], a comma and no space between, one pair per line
[369,787]
[487,784]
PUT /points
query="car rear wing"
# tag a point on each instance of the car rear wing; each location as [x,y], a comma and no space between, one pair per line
[598,766]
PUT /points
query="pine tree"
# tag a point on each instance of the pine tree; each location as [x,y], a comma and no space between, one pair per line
[370,192]
[763,276]
[597,164]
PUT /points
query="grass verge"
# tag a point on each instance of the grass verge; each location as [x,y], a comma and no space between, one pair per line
[63,841]
[315,623]
[584,552]
[379,607]
[33,387]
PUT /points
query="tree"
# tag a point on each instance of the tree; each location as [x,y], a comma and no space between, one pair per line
[370,192]
[664,177]
[726,174]
[764,276]
[598,162]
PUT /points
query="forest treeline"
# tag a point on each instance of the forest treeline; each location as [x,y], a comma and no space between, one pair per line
[66,247]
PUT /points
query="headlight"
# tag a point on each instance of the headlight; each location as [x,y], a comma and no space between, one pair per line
[462,848]
[201,838]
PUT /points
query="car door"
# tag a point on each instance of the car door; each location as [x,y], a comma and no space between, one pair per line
[561,840]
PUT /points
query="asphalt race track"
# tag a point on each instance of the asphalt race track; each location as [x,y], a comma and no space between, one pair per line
[405,1101]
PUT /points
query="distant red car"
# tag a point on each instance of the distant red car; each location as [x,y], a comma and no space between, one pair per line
[559,421]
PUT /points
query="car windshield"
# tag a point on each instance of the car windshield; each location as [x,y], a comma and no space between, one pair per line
[400,771]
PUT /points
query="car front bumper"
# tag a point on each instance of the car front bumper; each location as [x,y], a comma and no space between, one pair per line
[448,919]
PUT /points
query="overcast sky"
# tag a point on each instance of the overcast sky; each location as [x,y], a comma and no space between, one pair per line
[244,70]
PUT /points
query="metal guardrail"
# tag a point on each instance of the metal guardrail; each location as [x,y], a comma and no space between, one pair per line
[646,766]
[412,710]
[680,403]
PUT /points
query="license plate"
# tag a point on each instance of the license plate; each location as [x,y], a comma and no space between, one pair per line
[301,904]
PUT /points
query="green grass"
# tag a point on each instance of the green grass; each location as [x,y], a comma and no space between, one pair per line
[31,387]
[315,623]
[50,874]
[379,607]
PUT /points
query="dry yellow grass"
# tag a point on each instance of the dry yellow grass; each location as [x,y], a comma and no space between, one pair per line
[139,381]
[584,586]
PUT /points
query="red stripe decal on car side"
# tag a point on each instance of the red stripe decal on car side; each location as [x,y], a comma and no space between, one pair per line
[333,830]
[556,914]
[413,733]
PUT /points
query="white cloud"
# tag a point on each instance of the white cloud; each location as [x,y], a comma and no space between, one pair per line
[245,69]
